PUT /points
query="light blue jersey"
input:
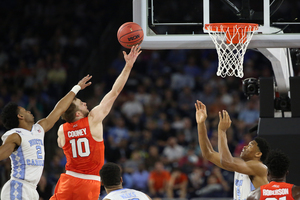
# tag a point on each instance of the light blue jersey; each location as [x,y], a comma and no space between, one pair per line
[126,194]
[242,186]
[27,163]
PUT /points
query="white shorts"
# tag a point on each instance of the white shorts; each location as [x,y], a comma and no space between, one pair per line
[19,190]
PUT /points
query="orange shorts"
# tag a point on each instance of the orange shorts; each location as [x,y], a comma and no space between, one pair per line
[72,188]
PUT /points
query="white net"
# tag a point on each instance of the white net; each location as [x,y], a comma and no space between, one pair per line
[231,41]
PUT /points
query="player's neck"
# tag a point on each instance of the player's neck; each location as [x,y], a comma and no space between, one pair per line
[283,179]
[77,118]
[117,187]
[27,126]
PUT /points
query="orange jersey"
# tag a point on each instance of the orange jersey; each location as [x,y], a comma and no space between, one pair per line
[159,179]
[84,154]
[276,190]
[72,188]
[182,178]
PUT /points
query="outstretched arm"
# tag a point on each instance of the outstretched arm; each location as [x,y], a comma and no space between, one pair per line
[48,122]
[101,111]
[251,167]
[11,143]
[207,150]
[225,156]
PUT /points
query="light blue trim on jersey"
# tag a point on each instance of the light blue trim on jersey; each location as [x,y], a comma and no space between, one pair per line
[252,186]
[15,190]
[19,165]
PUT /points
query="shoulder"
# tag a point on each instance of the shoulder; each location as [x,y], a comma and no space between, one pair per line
[141,194]
[254,195]
[61,127]
[257,165]
[296,192]
[15,131]
[12,137]
[37,127]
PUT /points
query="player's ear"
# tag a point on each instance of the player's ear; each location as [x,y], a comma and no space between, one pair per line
[20,116]
[258,154]
[121,179]
[77,114]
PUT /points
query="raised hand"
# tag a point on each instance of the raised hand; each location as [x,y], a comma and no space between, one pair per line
[131,57]
[225,121]
[83,82]
[201,113]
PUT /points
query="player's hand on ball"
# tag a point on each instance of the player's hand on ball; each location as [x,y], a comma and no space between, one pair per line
[201,113]
[134,53]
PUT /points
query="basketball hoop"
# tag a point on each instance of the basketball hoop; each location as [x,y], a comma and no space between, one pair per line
[231,40]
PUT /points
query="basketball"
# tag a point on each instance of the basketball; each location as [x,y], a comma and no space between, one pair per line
[130,34]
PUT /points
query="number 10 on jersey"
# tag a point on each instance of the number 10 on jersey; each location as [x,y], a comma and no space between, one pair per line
[77,145]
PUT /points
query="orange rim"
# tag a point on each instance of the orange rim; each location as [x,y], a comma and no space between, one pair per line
[215,27]
[231,29]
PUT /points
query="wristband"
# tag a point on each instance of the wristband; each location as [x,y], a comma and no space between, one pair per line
[76,89]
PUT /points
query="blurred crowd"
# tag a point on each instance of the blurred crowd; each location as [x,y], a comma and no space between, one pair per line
[151,131]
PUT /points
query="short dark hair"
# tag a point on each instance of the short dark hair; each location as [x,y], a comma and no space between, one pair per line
[69,114]
[9,116]
[263,146]
[278,163]
[110,174]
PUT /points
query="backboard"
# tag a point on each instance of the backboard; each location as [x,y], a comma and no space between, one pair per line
[175,24]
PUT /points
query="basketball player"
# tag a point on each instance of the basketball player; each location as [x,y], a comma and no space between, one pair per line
[81,138]
[278,164]
[112,180]
[250,172]
[24,144]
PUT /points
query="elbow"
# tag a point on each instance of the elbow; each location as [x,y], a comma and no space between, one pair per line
[115,91]
[207,155]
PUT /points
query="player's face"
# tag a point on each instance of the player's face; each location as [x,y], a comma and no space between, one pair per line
[249,151]
[82,107]
[28,117]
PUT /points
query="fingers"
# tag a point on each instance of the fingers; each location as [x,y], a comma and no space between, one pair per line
[85,79]
[88,77]
[202,105]
[199,105]
[224,116]
[136,49]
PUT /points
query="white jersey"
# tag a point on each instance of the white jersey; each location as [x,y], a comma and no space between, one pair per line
[126,194]
[242,186]
[27,162]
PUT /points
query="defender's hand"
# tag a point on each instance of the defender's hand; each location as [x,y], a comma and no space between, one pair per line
[201,113]
[83,82]
[225,121]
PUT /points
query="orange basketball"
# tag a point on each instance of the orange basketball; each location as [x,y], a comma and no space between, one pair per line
[130,34]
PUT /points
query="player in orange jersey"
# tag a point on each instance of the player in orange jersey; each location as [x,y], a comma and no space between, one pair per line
[82,141]
[277,189]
